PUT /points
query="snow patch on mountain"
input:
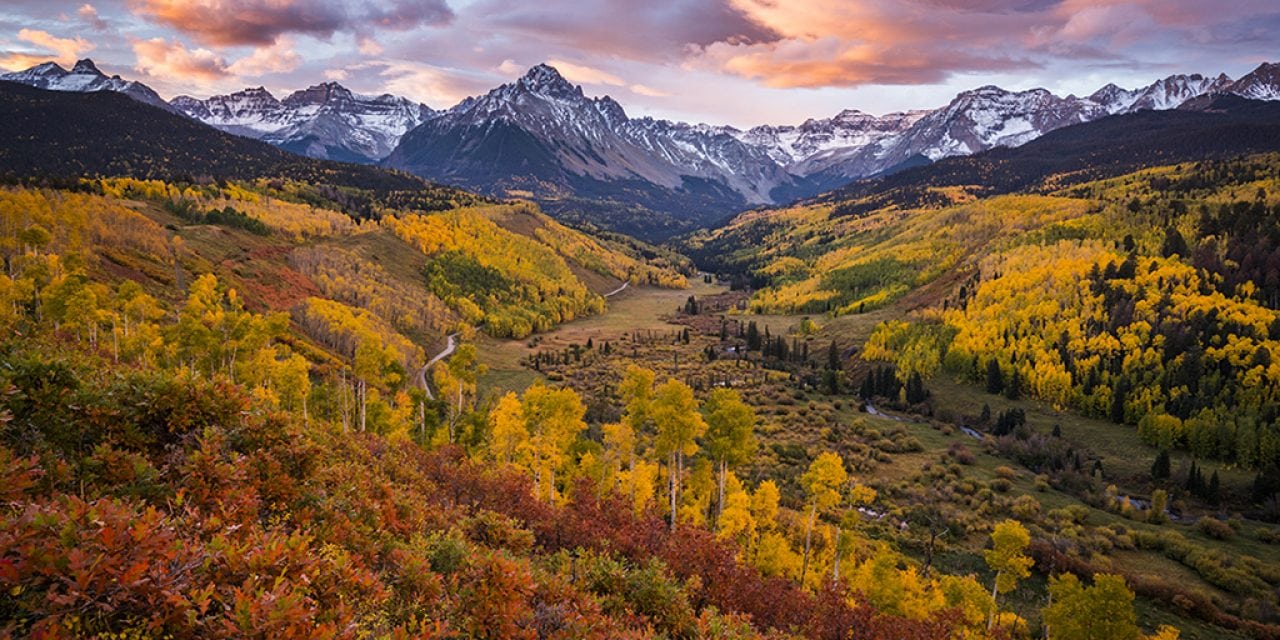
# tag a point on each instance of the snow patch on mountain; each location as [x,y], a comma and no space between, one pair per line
[84,77]
[325,121]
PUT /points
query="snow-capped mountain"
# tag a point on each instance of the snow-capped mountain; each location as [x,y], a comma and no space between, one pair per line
[1262,83]
[324,121]
[988,117]
[84,77]
[542,134]
[850,128]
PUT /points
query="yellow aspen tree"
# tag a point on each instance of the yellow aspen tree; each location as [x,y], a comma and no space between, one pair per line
[730,439]
[1007,559]
[554,418]
[675,413]
[822,485]
[508,433]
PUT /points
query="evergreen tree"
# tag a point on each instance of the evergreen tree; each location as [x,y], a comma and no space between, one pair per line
[995,377]
[916,392]
[1118,397]
[1160,468]
[1013,389]
[1174,243]
[753,336]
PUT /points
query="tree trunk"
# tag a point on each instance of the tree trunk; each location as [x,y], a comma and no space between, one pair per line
[671,479]
[364,394]
[991,620]
[422,421]
[724,469]
[835,568]
[808,538]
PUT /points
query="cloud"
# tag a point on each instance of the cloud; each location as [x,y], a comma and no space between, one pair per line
[164,59]
[368,46]
[89,14]
[64,51]
[262,22]
[432,85]
[648,30]
[277,58]
[646,90]
[510,68]
[337,75]
[583,74]
[835,43]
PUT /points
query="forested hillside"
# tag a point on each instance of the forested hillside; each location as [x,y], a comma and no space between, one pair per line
[1113,338]
[56,138]
[286,404]
[209,428]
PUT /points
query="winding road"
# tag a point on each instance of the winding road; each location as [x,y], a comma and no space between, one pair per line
[451,344]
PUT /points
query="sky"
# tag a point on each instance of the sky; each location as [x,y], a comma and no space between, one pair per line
[739,62]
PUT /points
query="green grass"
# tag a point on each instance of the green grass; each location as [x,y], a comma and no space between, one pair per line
[634,309]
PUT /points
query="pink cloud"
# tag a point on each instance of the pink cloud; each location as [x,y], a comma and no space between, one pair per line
[164,59]
[847,44]
[261,22]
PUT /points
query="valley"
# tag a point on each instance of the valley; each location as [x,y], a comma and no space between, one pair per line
[893,451]
[1004,369]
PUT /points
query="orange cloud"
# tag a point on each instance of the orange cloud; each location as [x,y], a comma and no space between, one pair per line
[583,74]
[277,58]
[89,13]
[262,22]
[62,50]
[646,90]
[160,58]
[839,43]
[851,43]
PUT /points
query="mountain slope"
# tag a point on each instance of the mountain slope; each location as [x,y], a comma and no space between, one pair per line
[542,136]
[770,242]
[1209,127]
[52,133]
[589,163]
[325,121]
[84,77]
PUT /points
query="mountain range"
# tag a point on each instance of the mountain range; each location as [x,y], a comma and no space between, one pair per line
[323,121]
[587,160]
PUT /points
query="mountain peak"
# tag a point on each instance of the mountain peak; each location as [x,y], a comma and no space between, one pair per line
[320,94]
[86,66]
[546,80]
[1263,83]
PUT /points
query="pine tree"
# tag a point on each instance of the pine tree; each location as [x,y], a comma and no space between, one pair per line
[1013,389]
[916,392]
[995,377]
[1160,468]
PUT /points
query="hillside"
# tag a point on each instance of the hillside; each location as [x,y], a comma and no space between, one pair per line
[1219,126]
[52,134]
[210,427]
[1028,393]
